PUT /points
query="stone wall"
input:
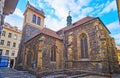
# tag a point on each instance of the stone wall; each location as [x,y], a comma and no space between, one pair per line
[39,49]
[97,37]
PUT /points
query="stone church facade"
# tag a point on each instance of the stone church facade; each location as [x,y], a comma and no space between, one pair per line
[84,45]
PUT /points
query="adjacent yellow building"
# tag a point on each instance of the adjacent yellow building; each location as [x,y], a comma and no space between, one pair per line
[6,7]
[9,44]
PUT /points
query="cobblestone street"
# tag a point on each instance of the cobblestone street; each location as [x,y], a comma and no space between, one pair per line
[12,73]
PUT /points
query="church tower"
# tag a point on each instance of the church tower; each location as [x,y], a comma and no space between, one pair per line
[33,24]
[33,21]
[69,19]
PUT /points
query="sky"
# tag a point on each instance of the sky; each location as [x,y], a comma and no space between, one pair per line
[56,12]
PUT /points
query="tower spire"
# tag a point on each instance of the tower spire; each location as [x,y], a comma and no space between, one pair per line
[69,13]
[69,19]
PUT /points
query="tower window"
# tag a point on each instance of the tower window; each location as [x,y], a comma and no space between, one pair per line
[34,19]
[38,21]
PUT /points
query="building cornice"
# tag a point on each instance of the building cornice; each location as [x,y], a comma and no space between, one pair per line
[14,29]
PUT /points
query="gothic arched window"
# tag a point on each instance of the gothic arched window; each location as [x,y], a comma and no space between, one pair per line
[38,21]
[84,46]
[34,19]
[53,54]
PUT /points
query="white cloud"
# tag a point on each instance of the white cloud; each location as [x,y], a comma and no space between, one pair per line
[61,8]
[117,38]
[114,25]
[109,7]
[14,21]
[55,24]
[87,10]
[18,12]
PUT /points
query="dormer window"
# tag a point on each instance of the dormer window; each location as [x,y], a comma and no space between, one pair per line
[34,19]
[38,21]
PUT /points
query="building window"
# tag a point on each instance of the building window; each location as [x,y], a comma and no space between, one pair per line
[34,19]
[38,21]
[7,52]
[1,51]
[19,38]
[84,46]
[8,43]
[2,42]
[10,35]
[53,54]
[14,44]
[13,53]
[15,36]
[3,33]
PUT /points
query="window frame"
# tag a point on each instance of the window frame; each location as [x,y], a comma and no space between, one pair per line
[13,53]
[53,54]
[15,36]
[14,44]
[3,33]
[34,18]
[2,42]
[84,46]
[9,35]
[38,20]
[8,43]
[7,52]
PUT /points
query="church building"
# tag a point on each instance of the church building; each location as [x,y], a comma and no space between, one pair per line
[84,45]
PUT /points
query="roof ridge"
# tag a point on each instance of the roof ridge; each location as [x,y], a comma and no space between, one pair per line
[75,23]
[49,29]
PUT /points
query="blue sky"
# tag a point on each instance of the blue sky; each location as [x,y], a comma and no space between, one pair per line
[56,12]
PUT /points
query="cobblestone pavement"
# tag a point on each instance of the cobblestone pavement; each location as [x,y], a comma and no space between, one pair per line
[116,76]
[12,73]
[93,76]
[82,76]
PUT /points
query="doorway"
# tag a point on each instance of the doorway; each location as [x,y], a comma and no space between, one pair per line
[11,63]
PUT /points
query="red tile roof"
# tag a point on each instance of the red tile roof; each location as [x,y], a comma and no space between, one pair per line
[81,21]
[50,32]
[54,34]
